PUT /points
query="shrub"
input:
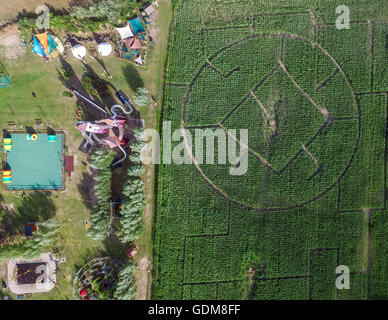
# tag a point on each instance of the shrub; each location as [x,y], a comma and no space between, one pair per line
[67,94]
[141,97]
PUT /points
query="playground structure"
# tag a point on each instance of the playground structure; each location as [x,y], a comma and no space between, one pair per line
[102,131]
[96,280]
[47,46]
[33,160]
[132,44]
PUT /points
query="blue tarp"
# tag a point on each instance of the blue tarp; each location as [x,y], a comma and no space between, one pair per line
[52,44]
[37,48]
[137,26]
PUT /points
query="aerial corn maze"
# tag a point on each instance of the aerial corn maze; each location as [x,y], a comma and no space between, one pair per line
[314,99]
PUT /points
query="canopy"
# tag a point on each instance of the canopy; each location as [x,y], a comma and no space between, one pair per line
[137,26]
[79,51]
[134,43]
[149,10]
[139,60]
[44,44]
[125,32]
[104,49]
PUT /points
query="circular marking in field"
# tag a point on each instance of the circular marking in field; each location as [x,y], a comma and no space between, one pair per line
[301,141]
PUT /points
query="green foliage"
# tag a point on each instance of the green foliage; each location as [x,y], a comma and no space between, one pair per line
[136,170]
[141,97]
[290,227]
[26,27]
[67,94]
[43,239]
[101,160]
[137,146]
[106,11]
[99,221]
[126,285]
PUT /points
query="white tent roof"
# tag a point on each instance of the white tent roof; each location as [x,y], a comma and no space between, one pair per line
[104,49]
[139,60]
[79,51]
[125,32]
[150,10]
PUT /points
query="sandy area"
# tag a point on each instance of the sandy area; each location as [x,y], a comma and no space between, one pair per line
[11,46]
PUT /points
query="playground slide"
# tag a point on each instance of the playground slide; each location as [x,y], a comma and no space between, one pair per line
[88,100]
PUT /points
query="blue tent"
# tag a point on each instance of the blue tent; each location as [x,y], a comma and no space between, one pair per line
[37,48]
[137,26]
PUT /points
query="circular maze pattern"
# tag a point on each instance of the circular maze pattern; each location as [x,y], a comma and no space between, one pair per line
[301,112]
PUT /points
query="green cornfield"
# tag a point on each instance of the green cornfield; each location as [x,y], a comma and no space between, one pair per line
[314,100]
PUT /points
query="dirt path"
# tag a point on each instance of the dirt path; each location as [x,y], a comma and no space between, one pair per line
[12,46]
[143,270]
[323,110]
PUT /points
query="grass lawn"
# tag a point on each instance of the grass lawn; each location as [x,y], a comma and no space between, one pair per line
[17,104]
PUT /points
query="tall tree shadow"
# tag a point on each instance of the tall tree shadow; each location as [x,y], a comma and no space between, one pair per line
[35,207]
[86,190]
[132,77]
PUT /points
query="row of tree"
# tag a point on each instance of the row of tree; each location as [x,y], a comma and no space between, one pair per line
[91,19]
[126,284]
[44,238]
[134,198]
[131,222]
[101,160]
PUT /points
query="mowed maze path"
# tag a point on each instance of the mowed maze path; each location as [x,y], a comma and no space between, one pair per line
[224,237]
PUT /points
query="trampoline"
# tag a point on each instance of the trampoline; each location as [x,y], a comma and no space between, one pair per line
[36,165]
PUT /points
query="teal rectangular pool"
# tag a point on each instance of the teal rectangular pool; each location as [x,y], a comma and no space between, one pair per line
[36,165]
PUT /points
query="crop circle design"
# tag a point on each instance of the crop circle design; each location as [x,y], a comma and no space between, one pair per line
[301,146]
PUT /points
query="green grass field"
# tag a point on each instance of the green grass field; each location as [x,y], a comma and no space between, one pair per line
[314,196]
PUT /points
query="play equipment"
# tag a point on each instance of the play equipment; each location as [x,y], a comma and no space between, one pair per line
[32,136]
[52,138]
[7,144]
[45,45]
[104,49]
[79,51]
[104,126]
[7,176]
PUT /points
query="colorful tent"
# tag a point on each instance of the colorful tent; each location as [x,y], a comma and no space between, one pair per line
[134,43]
[125,32]
[105,49]
[44,44]
[79,51]
[137,26]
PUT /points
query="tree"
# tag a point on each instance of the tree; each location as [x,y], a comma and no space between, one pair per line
[136,170]
[138,133]
[137,147]
[43,239]
[135,158]
[99,221]
[141,97]
[126,284]
[133,186]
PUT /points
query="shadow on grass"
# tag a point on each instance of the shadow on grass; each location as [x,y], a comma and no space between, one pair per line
[35,207]
[86,190]
[132,77]
[114,247]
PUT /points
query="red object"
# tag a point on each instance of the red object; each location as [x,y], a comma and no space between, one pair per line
[82,292]
[131,251]
[69,173]
[123,142]
[69,164]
